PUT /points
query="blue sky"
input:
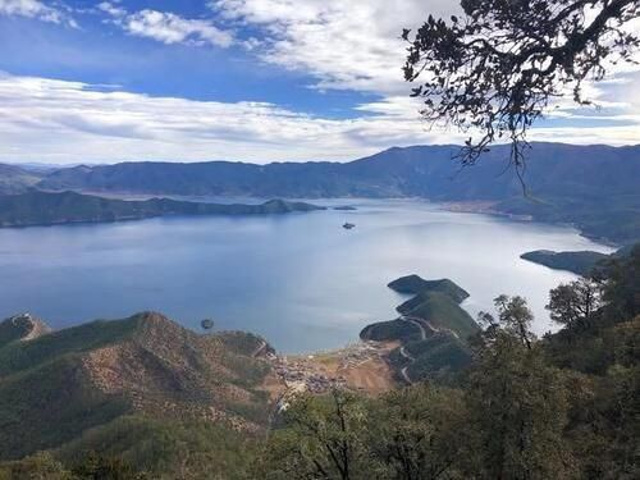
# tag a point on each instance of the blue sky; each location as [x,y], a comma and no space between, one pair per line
[252,80]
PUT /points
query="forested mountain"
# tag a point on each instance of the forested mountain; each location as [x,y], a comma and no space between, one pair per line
[131,387]
[45,208]
[594,187]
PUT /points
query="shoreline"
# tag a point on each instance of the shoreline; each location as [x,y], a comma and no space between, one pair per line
[486,208]
[482,207]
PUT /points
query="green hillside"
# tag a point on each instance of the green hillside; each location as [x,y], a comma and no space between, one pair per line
[57,387]
[564,406]
[433,331]
[442,312]
[19,327]
[166,448]
[390,331]
[439,358]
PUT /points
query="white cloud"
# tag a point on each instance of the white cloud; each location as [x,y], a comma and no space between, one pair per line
[53,120]
[70,122]
[167,27]
[345,44]
[351,45]
[355,45]
[112,9]
[37,10]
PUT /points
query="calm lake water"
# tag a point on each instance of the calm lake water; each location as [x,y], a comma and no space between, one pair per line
[300,280]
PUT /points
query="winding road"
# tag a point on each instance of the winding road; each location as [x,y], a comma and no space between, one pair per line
[404,372]
[418,322]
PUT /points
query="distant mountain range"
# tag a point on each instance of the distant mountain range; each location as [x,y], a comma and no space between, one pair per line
[593,187]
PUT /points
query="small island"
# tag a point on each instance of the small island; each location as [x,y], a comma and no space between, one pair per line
[345,208]
[45,208]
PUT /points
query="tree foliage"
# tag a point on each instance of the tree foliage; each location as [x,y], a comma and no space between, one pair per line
[518,411]
[513,322]
[573,304]
[622,290]
[324,439]
[499,67]
[418,433]
[526,408]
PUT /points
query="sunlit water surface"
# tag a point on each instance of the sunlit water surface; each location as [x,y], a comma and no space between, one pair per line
[300,280]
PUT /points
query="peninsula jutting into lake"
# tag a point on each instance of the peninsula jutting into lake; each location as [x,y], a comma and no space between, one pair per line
[45,208]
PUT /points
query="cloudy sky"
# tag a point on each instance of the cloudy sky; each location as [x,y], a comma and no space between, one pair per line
[254,80]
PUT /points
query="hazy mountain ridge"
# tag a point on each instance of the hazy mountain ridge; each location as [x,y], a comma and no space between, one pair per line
[14,179]
[593,187]
[421,171]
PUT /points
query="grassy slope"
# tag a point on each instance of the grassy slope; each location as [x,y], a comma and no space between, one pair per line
[390,331]
[444,313]
[438,357]
[18,357]
[444,352]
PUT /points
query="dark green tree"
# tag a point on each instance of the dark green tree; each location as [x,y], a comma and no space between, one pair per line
[325,438]
[514,319]
[42,466]
[573,304]
[517,402]
[622,290]
[418,433]
[98,467]
[494,71]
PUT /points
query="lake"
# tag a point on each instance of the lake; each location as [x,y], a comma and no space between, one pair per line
[301,280]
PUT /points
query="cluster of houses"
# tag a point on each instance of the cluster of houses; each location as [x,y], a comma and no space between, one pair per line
[302,375]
